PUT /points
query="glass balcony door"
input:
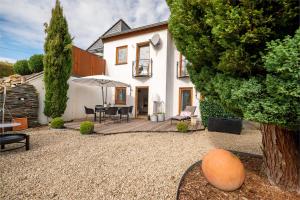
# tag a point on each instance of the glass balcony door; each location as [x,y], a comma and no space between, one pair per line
[143,58]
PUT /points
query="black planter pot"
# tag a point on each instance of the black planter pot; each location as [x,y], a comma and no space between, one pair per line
[225,125]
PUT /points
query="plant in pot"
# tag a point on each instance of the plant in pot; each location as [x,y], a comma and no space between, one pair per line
[161,116]
[216,118]
[153,117]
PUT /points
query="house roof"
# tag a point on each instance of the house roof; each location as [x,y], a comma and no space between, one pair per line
[98,45]
[135,31]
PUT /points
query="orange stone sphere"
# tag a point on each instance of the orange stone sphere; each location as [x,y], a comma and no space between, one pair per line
[223,170]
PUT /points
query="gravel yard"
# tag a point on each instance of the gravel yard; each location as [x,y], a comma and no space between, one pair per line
[66,165]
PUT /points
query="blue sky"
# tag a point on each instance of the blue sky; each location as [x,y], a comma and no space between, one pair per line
[22,30]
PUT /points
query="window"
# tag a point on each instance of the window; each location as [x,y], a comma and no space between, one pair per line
[182,68]
[143,58]
[185,98]
[121,55]
[120,95]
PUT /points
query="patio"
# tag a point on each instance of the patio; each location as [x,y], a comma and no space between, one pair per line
[133,126]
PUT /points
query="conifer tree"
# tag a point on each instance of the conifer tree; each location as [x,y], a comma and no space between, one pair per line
[242,57]
[57,63]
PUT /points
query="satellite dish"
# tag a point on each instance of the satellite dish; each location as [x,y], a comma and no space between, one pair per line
[155,40]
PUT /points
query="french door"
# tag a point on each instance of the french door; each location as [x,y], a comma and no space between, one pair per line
[185,97]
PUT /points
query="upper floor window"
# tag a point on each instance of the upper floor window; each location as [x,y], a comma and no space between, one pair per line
[182,67]
[120,95]
[143,58]
[121,55]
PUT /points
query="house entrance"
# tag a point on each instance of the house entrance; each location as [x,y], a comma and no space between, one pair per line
[141,99]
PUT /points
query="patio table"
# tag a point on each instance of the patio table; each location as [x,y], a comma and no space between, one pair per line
[10,138]
[102,109]
[9,125]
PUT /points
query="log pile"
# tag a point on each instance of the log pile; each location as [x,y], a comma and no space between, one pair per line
[11,81]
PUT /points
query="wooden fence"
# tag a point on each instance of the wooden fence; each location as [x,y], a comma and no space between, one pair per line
[86,64]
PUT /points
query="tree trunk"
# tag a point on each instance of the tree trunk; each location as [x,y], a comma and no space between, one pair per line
[281,157]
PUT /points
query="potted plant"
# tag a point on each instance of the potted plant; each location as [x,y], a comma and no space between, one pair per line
[153,118]
[161,117]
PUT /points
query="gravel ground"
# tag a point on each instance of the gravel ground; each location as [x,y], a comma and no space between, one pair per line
[66,165]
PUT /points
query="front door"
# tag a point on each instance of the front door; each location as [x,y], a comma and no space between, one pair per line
[141,100]
[185,97]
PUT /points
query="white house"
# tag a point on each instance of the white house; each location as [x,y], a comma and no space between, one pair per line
[154,71]
[145,58]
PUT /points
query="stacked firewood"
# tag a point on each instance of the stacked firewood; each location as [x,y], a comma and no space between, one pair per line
[11,81]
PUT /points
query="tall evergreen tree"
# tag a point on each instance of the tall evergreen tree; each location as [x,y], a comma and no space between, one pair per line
[233,61]
[57,63]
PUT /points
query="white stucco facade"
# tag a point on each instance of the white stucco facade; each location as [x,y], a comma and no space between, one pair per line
[163,82]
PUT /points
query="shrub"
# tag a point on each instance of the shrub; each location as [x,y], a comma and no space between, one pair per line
[57,63]
[182,127]
[6,69]
[21,67]
[35,63]
[57,123]
[210,108]
[86,127]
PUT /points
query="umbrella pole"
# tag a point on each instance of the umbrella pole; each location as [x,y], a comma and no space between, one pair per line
[106,95]
[102,95]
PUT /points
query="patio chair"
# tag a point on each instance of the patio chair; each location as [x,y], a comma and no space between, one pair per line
[111,112]
[185,114]
[124,112]
[89,111]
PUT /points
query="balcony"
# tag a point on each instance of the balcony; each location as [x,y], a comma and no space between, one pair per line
[182,71]
[142,68]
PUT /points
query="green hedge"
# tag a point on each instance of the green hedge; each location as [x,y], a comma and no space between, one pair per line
[35,63]
[21,67]
[210,108]
[57,123]
[86,127]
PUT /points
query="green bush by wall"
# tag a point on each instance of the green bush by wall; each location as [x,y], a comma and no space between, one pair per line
[210,108]
[57,123]
[86,127]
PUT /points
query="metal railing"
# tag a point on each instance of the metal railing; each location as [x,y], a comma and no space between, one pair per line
[142,68]
[182,71]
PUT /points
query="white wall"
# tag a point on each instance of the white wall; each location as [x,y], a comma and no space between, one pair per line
[39,86]
[79,96]
[157,83]
[175,83]
[164,80]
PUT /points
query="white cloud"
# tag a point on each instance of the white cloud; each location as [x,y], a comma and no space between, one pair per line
[88,19]
[10,60]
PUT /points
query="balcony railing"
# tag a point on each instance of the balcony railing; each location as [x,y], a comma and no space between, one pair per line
[182,69]
[142,68]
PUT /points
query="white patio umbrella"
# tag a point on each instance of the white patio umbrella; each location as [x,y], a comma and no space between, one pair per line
[102,81]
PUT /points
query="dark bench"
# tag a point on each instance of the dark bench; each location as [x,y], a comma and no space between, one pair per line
[11,138]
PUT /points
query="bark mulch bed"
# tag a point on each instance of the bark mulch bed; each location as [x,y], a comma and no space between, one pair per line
[193,184]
